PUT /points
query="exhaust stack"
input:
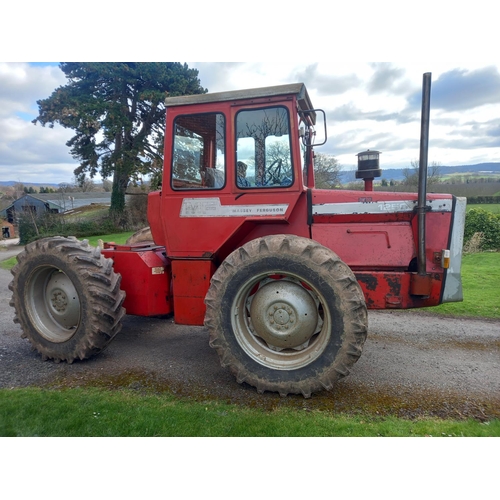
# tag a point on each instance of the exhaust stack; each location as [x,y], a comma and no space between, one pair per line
[422,171]
[421,282]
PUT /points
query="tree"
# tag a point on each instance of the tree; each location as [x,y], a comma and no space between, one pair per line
[18,190]
[107,185]
[280,150]
[117,111]
[410,175]
[84,183]
[326,171]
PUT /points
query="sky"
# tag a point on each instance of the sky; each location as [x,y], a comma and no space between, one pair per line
[373,106]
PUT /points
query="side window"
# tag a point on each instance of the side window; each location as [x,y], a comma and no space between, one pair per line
[263,148]
[198,152]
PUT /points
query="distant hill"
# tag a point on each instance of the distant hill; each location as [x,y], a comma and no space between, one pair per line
[396,174]
[28,184]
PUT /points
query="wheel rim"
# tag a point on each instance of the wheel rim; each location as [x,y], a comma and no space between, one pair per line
[281,321]
[53,304]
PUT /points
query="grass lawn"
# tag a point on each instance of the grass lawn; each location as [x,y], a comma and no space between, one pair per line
[95,412]
[7,263]
[118,238]
[87,212]
[481,287]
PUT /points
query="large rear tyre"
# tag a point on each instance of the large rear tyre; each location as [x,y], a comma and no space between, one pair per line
[285,314]
[67,298]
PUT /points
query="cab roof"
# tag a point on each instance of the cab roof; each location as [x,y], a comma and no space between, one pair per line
[297,89]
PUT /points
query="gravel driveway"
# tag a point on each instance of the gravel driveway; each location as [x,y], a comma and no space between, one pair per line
[412,365]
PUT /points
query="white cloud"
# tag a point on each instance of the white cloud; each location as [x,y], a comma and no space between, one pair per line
[30,153]
[21,85]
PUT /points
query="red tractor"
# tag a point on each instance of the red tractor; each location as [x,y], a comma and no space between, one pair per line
[279,272]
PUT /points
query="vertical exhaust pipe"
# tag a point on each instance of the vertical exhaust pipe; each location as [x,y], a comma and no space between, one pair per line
[421,282]
[422,171]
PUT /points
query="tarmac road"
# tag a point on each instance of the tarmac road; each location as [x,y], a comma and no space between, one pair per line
[412,365]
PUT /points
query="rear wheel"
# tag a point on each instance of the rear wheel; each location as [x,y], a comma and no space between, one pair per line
[67,298]
[285,314]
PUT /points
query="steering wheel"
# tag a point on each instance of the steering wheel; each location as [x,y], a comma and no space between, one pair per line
[273,173]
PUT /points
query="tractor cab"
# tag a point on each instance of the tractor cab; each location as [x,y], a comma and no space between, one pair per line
[232,159]
[250,138]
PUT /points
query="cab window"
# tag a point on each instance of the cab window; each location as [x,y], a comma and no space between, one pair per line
[198,152]
[263,149]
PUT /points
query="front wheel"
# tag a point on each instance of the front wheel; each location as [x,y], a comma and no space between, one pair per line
[67,298]
[285,314]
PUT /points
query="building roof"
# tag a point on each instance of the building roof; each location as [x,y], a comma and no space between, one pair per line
[66,201]
[70,201]
[51,204]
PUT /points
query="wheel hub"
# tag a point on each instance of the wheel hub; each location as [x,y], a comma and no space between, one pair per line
[62,300]
[283,314]
[59,301]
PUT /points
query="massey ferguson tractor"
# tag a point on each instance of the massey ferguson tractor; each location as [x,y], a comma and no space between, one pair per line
[279,272]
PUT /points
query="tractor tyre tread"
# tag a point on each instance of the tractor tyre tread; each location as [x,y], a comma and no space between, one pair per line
[95,281]
[330,270]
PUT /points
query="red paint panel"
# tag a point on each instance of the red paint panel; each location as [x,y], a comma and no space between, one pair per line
[437,231]
[146,278]
[195,236]
[191,280]
[155,218]
[369,245]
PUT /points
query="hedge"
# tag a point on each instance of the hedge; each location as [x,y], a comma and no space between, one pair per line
[478,220]
[477,200]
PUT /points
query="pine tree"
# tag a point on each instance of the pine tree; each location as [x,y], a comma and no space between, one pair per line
[117,112]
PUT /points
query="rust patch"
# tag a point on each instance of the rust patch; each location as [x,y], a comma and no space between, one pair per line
[394,285]
[368,280]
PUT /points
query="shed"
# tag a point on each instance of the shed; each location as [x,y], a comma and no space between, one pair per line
[29,203]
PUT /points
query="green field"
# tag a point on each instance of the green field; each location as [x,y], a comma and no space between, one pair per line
[481,287]
[494,208]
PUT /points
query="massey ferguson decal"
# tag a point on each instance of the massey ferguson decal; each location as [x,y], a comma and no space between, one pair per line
[211,207]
